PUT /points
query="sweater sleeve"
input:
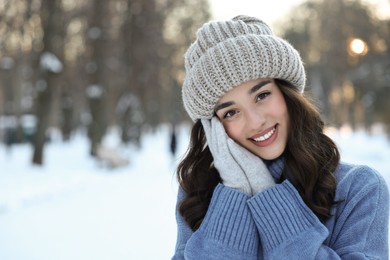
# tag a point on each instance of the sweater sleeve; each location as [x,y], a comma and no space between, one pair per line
[227,231]
[184,232]
[290,230]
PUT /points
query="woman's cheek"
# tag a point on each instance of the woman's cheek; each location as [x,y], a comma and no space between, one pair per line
[231,131]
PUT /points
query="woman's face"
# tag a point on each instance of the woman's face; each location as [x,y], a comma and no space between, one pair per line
[255,115]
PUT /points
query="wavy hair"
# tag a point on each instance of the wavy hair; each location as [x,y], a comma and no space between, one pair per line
[310,160]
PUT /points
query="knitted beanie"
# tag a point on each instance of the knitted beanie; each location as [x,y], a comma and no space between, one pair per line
[229,53]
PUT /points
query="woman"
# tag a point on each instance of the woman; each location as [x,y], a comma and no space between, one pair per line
[261,180]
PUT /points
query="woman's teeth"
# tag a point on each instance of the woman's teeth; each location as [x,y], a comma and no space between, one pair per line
[266,136]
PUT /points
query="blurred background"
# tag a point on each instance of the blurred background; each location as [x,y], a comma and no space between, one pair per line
[92,123]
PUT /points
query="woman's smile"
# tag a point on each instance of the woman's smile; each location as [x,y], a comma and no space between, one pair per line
[266,137]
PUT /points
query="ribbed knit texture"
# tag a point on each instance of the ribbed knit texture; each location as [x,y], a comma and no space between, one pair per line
[227,226]
[229,221]
[226,54]
[288,229]
[277,229]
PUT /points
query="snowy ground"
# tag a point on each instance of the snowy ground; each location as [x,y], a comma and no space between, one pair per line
[73,208]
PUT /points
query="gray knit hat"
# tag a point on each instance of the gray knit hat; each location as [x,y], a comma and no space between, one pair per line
[229,53]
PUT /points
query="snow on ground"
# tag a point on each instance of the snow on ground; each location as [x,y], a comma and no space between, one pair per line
[74,208]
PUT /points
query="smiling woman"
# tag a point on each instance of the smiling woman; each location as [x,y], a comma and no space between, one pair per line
[255,115]
[260,179]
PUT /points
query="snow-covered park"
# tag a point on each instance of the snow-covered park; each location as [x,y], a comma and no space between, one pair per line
[75,208]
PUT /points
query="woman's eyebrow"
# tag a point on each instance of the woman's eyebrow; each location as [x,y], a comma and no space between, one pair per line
[223,105]
[258,86]
[251,91]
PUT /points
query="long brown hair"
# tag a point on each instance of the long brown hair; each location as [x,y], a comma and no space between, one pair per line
[310,160]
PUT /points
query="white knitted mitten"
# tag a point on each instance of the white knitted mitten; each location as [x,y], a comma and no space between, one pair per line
[230,171]
[255,170]
[238,167]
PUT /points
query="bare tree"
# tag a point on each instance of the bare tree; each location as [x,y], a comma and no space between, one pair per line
[97,90]
[50,67]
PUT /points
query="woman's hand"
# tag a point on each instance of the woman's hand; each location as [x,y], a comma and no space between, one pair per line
[230,171]
[254,168]
[238,168]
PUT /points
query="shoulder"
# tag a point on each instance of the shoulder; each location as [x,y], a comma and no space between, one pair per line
[362,174]
[358,179]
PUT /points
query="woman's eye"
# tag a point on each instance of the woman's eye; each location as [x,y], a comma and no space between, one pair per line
[229,114]
[262,96]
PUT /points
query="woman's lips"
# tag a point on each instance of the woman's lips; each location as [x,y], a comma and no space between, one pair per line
[266,137]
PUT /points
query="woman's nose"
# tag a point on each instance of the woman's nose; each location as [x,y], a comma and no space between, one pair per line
[255,119]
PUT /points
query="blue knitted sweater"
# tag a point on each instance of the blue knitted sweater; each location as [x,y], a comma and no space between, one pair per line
[277,224]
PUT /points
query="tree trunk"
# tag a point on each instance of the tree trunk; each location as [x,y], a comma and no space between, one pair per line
[96,91]
[49,69]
